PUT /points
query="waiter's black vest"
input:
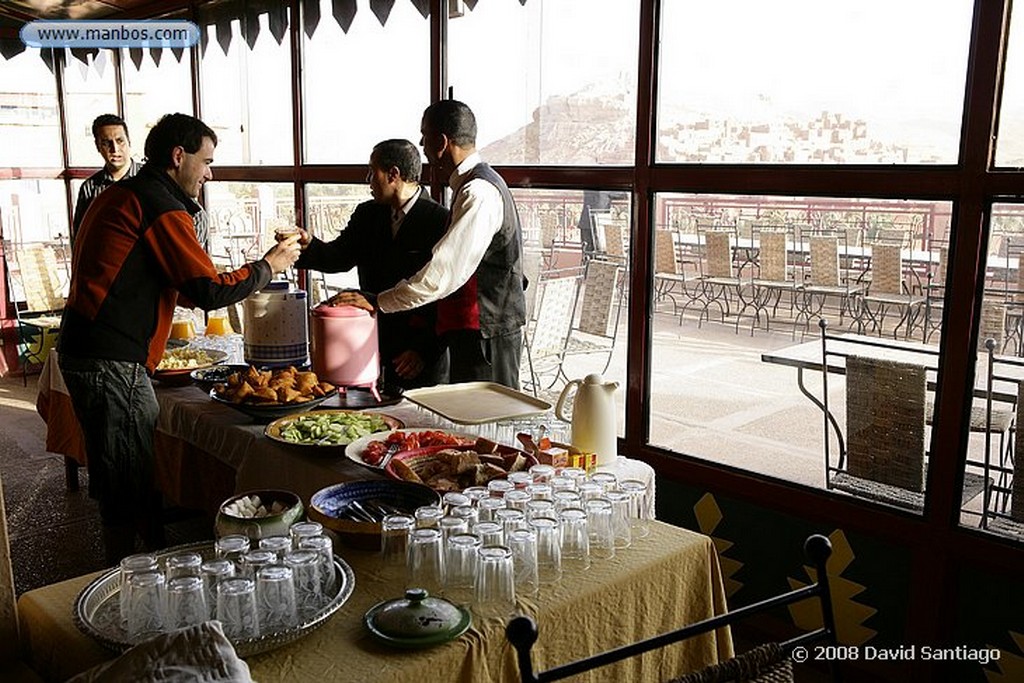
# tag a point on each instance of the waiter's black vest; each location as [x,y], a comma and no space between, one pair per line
[499,277]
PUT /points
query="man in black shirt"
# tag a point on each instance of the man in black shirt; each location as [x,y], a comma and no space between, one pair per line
[110,134]
[388,239]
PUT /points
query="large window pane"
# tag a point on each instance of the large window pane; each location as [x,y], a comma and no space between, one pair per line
[328,209]
[152,90]
[740,286]
[345,115]
[576,300]
[243,217]
[33,210]
[89,91]
[550,82]
[29,119]
[1001,325]
[1010,144]
[246,97]
[867,82]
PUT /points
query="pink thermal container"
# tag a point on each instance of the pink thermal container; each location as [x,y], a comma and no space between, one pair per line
[345,346]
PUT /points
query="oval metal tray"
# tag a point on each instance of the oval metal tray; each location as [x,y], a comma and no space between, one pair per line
[98,613]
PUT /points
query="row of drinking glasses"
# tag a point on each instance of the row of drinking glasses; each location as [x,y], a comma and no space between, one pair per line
[488,543]
[275,586]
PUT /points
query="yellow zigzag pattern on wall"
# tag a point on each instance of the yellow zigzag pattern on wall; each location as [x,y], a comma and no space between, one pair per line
[1011,664]
[850,615]
[708,517]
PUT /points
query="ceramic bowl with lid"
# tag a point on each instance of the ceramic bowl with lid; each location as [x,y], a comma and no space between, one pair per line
[418,620]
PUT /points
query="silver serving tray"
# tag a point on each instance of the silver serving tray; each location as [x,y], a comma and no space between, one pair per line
[98,613]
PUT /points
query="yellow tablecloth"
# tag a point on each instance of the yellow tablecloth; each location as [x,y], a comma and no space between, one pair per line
[667,580]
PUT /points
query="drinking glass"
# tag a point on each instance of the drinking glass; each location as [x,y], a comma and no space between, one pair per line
[186,602]
[475,493]
[301,530]
[454,499]
[540,508]
[523,544]
[212,573]
[236,608]
[499,487]
[599,527]
[606,479]
[575,538]
[394,543]
[466,512]
[275,599]
[495,585]
[520,479]
[309,591]
[490,533]
[183,564]
[280,545]
[510,519]
[450,526]
[639,507]
[517,498]
[232,547]
[590,489]
[426,560]
[487,506]
[217,323]
[428,516]
[461,565]
[621,503]
[560,482]
[323,546]
[540,491]
[128,566]
[147,605]
[577,474]
[542,473]
[254,560]
[567,499]
[549,548]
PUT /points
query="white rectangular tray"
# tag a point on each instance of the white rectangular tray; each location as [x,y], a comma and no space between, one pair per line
[472,403]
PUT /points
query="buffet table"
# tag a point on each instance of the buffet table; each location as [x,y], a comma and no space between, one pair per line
[206,452]
[669,579]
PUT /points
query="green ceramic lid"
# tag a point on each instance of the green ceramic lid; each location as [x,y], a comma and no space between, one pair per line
[417,620]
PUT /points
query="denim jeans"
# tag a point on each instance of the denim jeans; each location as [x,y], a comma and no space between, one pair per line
[116,406]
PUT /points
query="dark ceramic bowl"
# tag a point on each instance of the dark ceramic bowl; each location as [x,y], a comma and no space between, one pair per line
[205,378]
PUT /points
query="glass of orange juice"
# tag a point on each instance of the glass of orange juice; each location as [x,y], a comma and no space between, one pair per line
[182,328]
[217,324]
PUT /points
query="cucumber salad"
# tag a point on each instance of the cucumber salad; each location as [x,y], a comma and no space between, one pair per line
[332,429]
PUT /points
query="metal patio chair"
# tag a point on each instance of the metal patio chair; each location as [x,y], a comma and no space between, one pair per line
[768,663]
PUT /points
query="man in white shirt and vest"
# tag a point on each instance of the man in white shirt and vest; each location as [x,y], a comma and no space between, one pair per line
[476,271]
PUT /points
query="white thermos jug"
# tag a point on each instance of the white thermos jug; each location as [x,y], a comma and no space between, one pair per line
[593,416]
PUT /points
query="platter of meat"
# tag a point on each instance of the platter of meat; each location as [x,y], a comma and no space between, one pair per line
[454,468]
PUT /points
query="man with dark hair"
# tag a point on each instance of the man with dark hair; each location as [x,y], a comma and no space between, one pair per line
[135,252]
[476,272]
[110,133]
[387,239]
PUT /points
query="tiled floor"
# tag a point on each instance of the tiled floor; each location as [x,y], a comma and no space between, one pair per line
[54,534]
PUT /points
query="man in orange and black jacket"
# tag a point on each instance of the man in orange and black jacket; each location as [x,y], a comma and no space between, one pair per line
[135,252]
